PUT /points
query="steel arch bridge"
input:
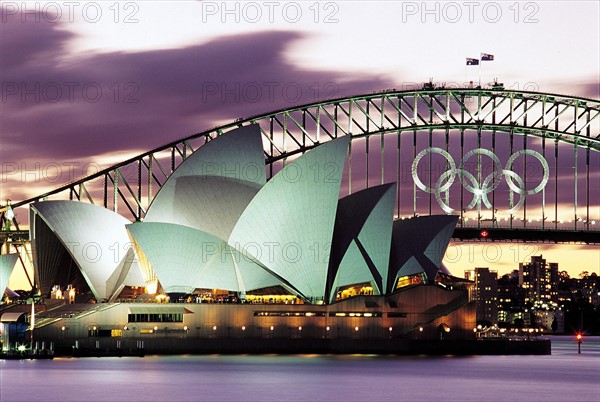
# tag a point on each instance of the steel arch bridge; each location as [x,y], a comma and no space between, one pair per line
[390,131]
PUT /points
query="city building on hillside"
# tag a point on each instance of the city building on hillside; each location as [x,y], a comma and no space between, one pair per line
[540,281]
[550,320]
[485,294]
[511,297]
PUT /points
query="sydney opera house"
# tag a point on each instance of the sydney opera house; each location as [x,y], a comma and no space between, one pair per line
[222,253]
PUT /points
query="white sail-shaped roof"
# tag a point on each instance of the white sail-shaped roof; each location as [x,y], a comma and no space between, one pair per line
[213,186]
[436,249]
[410,267]
[7,265]
[185,259]
[97,240]
[288,225]
[353,270]
[210,203]
[362,238]
[418,245]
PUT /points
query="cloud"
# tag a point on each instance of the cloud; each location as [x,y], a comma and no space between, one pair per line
[586,89]
[77,107]
[65,109]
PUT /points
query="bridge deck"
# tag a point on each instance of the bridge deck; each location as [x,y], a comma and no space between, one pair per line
[527,235]
[460,234]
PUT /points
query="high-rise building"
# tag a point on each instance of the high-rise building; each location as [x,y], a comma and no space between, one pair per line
[554,281]
[486,295]
[511,296]
[539,280]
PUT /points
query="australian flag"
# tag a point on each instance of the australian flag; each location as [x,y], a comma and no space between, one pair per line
[487,57]
[472,62]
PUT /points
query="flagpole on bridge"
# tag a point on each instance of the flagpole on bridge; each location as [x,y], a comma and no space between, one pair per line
[472,62]
[484,57]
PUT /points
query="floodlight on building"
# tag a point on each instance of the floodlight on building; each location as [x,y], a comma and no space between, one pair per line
[152,288]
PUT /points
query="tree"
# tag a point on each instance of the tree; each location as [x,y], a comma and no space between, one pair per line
[584,275]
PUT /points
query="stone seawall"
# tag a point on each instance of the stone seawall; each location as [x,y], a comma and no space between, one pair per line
[167,346]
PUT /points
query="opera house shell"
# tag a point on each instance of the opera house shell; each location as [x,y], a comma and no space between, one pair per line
[224,254]
[217,223]
[7,265]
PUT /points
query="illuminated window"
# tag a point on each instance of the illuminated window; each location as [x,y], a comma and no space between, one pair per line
[356,314]
[288,314]
[416,279]
[155,318]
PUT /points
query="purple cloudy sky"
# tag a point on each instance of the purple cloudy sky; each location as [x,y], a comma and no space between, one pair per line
[90,84]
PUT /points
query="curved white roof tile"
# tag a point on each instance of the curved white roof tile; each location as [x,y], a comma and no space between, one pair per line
[185,259]
[419,243]
[96,239]
[211,188]
[7,265]
[352,270]
[207,203]
[364,225]
[288,225]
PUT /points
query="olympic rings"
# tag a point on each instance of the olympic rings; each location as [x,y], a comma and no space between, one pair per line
[480,191]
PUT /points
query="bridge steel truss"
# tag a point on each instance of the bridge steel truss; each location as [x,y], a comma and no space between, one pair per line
[549,119]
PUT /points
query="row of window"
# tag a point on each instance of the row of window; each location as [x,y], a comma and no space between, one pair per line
[155,318]
[288,314]
[179,317]
[323,314]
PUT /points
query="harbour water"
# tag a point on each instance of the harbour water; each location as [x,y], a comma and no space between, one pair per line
[563,376]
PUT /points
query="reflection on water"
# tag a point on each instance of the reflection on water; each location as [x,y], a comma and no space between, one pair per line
[564,375]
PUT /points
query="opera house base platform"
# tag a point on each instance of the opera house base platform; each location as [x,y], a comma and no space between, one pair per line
[421,319]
